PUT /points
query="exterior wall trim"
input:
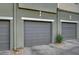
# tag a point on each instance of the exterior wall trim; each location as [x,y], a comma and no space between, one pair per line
[69,21]
[37,19]
[6,18]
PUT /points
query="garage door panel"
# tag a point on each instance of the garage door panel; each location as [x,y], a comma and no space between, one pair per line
[4,35]
[35,40]
[36,36]
[35,43]
[4,47]
[3,41]
[36,33]
[69,30]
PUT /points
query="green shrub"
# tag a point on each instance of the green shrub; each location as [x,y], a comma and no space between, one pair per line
[59,38]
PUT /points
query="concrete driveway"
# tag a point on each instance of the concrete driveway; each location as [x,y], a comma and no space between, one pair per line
[68,47]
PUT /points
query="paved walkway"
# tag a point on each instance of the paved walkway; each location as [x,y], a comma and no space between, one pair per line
[68,47]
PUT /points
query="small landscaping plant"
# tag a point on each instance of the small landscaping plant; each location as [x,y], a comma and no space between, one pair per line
[59,38]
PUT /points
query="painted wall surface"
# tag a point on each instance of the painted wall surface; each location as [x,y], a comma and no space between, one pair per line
[32,14]
[68,16]
[50,7]
[6,9]
[69,7]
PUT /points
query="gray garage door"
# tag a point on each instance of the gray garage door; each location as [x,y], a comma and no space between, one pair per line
[4,35]
[36,33]
[69,30]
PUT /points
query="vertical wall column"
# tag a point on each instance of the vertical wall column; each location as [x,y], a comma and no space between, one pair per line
[14,24]
[58,23]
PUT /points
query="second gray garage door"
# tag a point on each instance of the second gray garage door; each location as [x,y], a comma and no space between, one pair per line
[69,30]
[37,33]
[4,35]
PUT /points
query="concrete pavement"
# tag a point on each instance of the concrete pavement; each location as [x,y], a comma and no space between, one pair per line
[68,47]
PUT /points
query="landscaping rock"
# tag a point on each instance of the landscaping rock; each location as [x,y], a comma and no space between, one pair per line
[65,45]
[27,51]
[76,42]
[46,50]
[43,47]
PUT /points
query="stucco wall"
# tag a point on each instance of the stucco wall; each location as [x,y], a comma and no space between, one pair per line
[49,7]
[69,7]
[6,9]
